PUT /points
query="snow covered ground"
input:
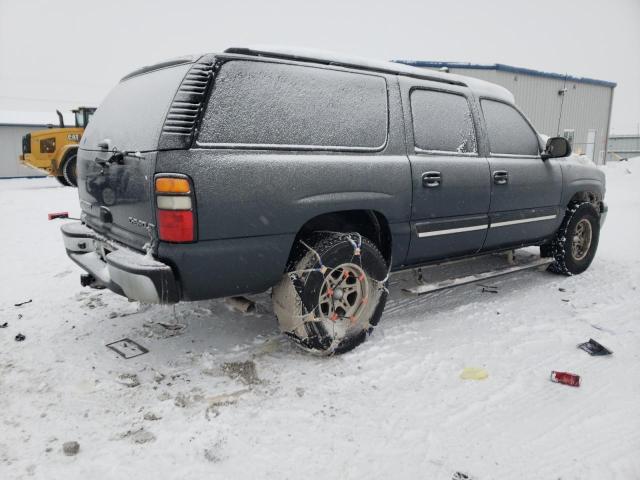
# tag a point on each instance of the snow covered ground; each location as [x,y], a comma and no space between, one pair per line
[222,395]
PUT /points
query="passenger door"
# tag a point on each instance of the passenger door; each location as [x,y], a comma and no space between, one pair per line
[451,183]
[525,190]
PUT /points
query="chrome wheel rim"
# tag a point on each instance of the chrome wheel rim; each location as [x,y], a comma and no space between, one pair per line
[581,242]
[343,295]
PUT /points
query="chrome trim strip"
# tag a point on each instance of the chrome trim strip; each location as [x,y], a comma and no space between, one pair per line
[446,152]
[269,146]
[434,233]
[522,220]
[514,155]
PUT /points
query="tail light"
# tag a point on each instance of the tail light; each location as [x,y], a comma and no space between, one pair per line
[175,205]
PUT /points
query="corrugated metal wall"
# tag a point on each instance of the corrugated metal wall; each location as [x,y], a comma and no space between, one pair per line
[586,106]
[10,148]
[624,146]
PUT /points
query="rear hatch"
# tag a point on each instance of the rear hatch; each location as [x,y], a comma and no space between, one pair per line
[117,155]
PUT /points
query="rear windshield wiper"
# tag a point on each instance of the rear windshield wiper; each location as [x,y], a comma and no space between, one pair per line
[117,156]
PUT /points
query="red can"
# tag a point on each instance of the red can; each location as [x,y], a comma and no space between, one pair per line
[567,378]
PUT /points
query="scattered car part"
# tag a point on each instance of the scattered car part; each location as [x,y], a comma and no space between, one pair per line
[22,303]
[241,304]
[54,215]
[565,378]
[594,348]
[20,337]
[127,348]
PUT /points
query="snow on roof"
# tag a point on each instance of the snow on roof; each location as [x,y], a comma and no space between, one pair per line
[506,68]
[481,86]
[33,119]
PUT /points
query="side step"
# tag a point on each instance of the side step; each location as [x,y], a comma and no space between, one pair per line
[454,282]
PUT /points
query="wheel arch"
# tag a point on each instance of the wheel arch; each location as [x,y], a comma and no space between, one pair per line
[369,223]
[591,195]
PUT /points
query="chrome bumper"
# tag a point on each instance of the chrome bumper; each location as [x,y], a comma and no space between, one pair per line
[120,269]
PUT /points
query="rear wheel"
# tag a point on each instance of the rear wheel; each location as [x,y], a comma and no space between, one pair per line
[69,169]
[62,180]
[334,293]
[576,242]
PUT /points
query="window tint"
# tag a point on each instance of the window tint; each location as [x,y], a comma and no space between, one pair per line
[508,132]
[442,121]
[274,104]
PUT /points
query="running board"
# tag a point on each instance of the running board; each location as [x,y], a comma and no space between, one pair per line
[455,282]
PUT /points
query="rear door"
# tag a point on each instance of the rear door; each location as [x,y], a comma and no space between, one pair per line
[451,186]
[525,190]
[116,158]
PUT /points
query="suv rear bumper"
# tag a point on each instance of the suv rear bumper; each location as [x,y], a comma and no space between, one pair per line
[120,269]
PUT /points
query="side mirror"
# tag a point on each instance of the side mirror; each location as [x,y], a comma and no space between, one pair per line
[556,147]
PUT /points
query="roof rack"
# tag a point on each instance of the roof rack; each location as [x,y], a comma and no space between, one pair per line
[327,58]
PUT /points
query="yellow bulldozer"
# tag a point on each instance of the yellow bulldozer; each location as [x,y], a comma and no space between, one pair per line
[54,150]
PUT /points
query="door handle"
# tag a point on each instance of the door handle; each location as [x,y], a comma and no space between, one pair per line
[500,177]
[431,179]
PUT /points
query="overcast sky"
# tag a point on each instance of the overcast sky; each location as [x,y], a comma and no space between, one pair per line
[63,53]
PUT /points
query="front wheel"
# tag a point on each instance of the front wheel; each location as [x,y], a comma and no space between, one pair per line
[333,294]
[576,242]
[62,181]
[69,170]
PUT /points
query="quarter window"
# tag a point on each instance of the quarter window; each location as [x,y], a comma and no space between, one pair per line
[509,133]
[270,104]
[442,122]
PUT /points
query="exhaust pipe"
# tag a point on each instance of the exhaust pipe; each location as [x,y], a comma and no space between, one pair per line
[60,118]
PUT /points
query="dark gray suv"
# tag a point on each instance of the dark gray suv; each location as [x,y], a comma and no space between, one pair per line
[233,173]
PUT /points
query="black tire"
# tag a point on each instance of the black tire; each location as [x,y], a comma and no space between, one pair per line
[69,169]
[62,181]
[569,248]
[311,312]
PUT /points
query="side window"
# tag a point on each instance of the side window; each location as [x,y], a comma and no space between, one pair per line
[509,133]
[271,104]
[442,122]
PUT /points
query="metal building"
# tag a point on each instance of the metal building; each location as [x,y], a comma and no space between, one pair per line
[623,146]
[13,125]
[574,107]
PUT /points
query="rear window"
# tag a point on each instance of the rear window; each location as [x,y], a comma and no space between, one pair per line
[509,133]
[442,122]
[132,114]
[270,104]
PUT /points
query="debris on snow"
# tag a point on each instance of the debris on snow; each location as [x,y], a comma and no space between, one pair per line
[243,371]
[138,436]
[162,330]
[22,303]
[4,325]
[128,380]
[594,348]
[241,304]
[566,378]
[461,476]
[489,289]
[127,348]
[222,400]
[474,373]
[70,448]
[20,337]
[54,215]
[151,416]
